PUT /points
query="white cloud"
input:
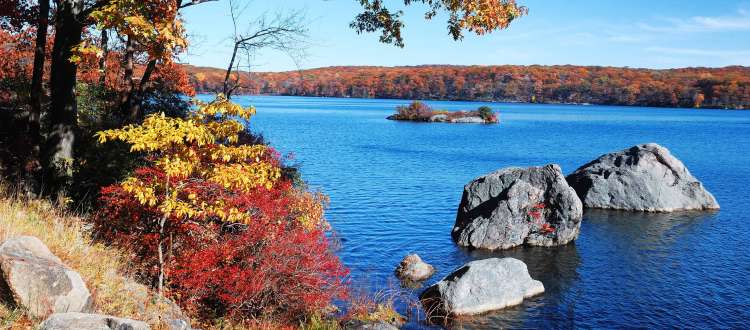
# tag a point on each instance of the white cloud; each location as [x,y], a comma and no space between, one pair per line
[738,22]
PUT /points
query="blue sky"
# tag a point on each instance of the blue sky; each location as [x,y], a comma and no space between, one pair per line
[634,33]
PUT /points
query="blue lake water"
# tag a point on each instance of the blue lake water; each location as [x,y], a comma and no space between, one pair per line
[395,187]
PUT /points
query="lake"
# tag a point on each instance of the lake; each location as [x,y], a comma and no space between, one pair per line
[395,186]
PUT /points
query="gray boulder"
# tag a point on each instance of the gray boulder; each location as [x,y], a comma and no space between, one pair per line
[481,286]
[370,325]
[515,206]
[83,321]
[167,312]
[441,118]
[412,268]
[38,280]
[645,177]
[469,120]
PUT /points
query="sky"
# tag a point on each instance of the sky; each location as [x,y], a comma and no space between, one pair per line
[634,33]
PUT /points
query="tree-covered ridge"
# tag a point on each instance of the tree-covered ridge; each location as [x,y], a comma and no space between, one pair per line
[727,87]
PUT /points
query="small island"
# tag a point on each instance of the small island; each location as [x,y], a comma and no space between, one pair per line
[418,111]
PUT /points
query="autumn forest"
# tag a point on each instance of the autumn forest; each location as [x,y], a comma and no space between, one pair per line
[727,87]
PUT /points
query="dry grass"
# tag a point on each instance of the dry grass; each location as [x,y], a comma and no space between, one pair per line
[102,268]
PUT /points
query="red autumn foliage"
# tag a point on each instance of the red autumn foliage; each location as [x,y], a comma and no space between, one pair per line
[272,267]
[267,269]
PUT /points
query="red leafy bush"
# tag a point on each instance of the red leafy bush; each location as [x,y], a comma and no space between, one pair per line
[278,271]
[279,265]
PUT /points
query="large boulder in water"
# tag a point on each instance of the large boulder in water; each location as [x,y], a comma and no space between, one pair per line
[38,281]
[481,286]
[645,177]
[515,206]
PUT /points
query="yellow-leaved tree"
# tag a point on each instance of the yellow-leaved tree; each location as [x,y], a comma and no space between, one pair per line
[200,148]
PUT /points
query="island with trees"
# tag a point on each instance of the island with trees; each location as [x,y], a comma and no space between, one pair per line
[420,112]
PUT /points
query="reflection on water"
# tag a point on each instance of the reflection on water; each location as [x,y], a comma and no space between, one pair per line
[646,227]
[395,186]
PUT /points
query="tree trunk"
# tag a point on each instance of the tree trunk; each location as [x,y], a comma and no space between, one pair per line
[134,100]
[37,92]
[227,90]
[59,147]
[38,71]
[103,60]
[127,79]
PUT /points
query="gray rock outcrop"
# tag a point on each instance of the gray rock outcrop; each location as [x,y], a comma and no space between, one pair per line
[412,268]
[167,312]
[38,280]
[515,206]
[481,286]
[645,177]
[83,321]
[371,325]
[469,120]
[441,118]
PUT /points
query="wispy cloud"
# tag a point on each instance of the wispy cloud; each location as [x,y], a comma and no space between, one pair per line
[740,21]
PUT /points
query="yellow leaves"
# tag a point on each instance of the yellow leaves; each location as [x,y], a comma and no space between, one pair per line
[245,177]
[153,24]
[221,106]
[201,148]
[309,209]
[144,193]
[85,48]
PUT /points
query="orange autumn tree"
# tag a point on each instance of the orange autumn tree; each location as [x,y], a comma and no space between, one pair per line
[203,147]
[478,16]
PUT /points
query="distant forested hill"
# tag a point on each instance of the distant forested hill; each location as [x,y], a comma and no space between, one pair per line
[727,87]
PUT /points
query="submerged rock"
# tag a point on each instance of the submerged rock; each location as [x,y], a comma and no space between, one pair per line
[83,321]
[38,281]
[645,177]
[515,206]
[481,286]
[412,268]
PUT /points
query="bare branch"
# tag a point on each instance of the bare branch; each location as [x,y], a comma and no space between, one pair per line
[284,32]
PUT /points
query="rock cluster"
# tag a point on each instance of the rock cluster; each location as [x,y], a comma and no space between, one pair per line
[515,206]
[39,282]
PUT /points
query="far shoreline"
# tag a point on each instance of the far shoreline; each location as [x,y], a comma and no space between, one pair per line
[491,102]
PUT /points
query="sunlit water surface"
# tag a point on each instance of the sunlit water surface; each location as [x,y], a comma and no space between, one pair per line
[395,187]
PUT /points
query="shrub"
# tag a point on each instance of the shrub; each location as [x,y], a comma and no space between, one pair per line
[279,271]
[214,223]
[485,112]
[415,111]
